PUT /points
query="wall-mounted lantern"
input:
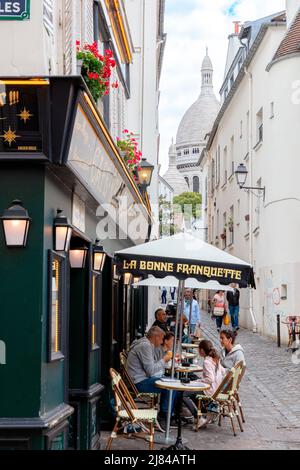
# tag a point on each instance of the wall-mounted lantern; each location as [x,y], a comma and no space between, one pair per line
[62,232]
[16,222]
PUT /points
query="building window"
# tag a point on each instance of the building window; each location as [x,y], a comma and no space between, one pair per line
[259,126]
[240,63]
[94,324]
[179,154]
[225,165]
[219,165]
[272,110]
[241,129]
[257,208]
[196,184]
[231,81]
[186,152]
[196,151]
[232,155]
[187,181]
[226,93]
[213,175]
[57,292]
[224,234]
[230,226]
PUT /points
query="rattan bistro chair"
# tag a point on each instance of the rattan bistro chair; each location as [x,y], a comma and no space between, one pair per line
[128,413]
[150,399]
[224,398]
[237,396]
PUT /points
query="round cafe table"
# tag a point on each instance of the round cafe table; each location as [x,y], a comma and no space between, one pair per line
[189,346]
[181,388]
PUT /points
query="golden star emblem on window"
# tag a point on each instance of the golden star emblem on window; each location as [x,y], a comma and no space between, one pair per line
[25,115]
[10,136]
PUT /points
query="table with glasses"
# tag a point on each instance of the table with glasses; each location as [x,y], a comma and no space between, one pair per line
[177,385]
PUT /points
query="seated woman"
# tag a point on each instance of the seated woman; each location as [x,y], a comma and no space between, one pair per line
[212,374]
[166,347]
[231,353]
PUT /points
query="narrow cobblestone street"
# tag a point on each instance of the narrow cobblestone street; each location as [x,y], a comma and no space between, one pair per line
[270,395]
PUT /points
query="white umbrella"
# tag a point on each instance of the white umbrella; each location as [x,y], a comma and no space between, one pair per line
[171,281]
[184,256]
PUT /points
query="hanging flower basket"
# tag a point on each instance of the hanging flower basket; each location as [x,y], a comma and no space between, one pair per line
[96,69]
[130,153]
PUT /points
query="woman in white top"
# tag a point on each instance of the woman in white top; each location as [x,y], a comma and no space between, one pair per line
[220,303]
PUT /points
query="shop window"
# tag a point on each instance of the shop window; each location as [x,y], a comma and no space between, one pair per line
[57,290]
[94,324]
[196,184]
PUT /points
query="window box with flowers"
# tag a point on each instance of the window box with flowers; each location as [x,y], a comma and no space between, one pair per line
[96,69]
[128,147]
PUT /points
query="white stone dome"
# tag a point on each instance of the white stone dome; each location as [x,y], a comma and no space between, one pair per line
[199,118]
[173,177]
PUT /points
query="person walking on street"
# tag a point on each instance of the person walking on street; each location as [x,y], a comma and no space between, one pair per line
[192,312]
[173,292]
[219,308]
[164,296]
[233,299]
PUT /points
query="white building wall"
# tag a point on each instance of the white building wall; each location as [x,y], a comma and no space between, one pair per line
[275,255]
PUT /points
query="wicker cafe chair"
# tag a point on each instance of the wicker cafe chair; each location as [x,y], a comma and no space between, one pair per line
[225,398]
[128,413]
[150,399]
[237,396]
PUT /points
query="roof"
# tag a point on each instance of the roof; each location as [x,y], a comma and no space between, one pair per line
[255,46]
[291,41]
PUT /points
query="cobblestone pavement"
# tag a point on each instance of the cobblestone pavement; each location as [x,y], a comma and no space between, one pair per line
[270,394]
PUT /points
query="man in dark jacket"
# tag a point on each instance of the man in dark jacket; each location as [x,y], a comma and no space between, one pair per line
[161,320]
[233,299]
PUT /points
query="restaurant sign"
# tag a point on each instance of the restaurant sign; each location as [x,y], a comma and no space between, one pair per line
[15,10]
[203,271]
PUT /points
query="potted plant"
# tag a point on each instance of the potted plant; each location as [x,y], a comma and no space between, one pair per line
[128,147]
[223,235]
[95,68]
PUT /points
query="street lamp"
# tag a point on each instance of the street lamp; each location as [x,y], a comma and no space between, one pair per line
[62,232]
[99,257]
[145,174]
[16,222]
[241,177]
[78,254]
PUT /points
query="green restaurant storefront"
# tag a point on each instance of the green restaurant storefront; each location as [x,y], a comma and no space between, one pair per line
[64,317]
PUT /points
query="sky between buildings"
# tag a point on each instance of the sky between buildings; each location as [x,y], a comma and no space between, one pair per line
[191,25]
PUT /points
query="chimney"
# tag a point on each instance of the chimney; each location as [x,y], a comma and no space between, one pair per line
[292,7]
[236,27]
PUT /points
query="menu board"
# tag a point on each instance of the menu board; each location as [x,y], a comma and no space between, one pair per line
[20,119]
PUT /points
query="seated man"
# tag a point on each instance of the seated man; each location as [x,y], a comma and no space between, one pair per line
[144,370]
[161,320]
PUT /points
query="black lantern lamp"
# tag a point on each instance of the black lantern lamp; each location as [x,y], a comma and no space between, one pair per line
[145,174]
[16,222]
[62,232]
[99,257]
[78,253]
[241,175]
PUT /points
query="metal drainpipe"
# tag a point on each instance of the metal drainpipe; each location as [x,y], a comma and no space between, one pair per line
[251,254]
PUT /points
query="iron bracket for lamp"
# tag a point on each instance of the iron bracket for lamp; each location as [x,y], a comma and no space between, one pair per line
[250,188]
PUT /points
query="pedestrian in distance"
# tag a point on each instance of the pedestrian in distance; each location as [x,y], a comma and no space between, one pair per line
[164,296]
[219,308]
[233,299]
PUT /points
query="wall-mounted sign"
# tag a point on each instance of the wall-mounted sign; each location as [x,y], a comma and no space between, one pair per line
[20,126]
[15,10]
[78,213]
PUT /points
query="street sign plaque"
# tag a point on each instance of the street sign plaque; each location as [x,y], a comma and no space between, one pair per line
[15,10]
